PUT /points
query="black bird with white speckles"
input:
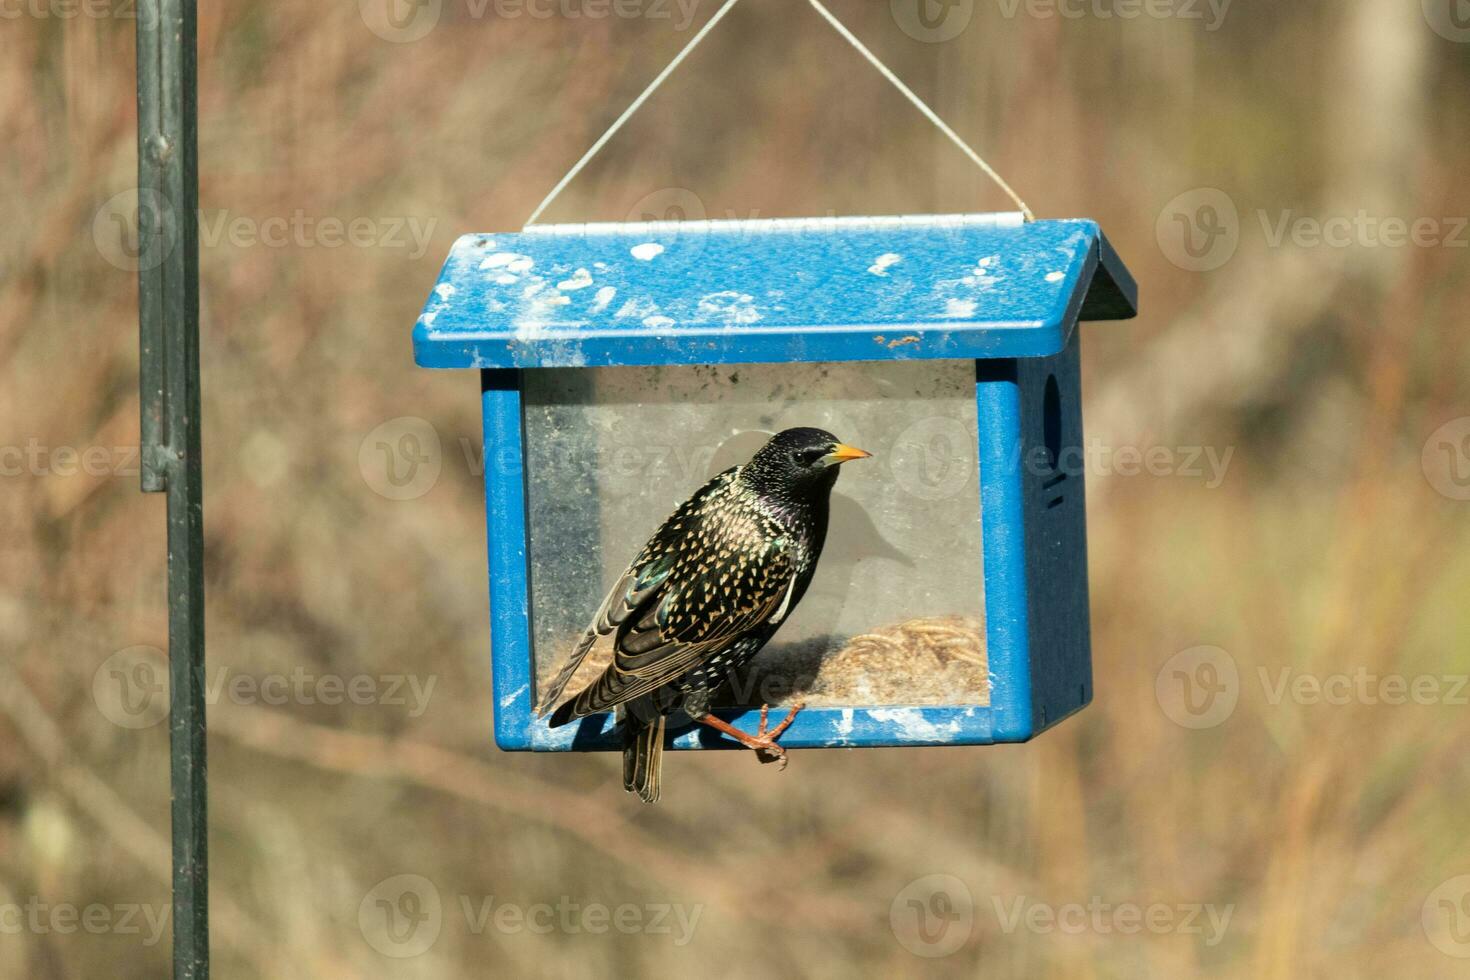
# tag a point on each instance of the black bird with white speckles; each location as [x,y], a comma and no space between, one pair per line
[709,589]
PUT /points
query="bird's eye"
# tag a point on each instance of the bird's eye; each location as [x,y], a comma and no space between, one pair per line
[809,457]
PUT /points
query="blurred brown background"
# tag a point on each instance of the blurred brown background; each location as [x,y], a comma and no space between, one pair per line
[1329,549]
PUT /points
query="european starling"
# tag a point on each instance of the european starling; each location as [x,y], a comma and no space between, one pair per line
[712,585]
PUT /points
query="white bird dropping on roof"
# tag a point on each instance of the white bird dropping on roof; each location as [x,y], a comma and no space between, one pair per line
[513,261]
[604,296]
[881,263]
[580,279]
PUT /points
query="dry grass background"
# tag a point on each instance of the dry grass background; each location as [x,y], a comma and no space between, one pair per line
[1324,549]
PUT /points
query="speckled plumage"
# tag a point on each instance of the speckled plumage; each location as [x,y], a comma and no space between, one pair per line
[712,585]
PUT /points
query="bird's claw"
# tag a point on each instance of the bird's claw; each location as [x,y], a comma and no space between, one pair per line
[766,749]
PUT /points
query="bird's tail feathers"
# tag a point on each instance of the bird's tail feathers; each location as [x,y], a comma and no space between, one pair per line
[643,756]
[559,683]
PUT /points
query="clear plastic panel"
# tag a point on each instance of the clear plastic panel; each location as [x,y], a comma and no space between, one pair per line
[894,614]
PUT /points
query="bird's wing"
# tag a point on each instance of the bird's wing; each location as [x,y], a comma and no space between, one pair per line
[638,584]
[739,578]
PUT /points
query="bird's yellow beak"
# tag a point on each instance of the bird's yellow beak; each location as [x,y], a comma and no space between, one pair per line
[841,454]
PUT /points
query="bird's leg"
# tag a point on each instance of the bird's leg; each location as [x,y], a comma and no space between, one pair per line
[775,733]
[763,741]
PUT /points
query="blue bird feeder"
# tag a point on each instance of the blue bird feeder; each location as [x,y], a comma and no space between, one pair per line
[621,365]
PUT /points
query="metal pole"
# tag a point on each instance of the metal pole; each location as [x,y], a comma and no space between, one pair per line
[168,318]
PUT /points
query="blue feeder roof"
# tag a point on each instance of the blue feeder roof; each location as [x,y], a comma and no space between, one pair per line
[729,292]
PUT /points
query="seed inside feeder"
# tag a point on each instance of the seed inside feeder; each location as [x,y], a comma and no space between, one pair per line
[930,661]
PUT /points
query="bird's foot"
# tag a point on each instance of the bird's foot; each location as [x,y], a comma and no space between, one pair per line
[763,742]
[766,749]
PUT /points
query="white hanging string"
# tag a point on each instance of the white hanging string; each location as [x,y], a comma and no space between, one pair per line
[924,108]
[628,112]
[851,38]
